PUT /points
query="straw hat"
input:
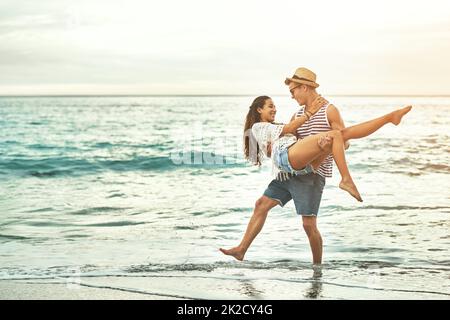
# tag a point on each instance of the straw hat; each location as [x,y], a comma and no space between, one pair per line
[304,76]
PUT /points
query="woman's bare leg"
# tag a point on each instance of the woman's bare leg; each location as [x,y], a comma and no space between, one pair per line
[360,131]
[324,144]
[367,128]
[262,207]
[321,158]
[307,150]
[363,130]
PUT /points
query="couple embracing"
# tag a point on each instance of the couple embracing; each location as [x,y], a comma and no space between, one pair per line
[302,154]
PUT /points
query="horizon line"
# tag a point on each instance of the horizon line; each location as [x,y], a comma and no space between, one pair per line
[205,95]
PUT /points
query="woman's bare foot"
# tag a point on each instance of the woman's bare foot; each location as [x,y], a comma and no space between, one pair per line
[350,187]
[398,114]
[235,252]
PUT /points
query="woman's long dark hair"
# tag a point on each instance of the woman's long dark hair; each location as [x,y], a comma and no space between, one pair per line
[253,116]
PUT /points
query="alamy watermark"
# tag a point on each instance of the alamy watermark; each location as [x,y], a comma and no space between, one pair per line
[196,146]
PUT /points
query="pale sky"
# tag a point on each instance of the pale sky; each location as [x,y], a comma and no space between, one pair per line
[223,47]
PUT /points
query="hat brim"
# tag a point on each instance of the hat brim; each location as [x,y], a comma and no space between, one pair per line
[309,83]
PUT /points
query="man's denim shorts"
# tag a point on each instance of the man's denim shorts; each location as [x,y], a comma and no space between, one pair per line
[305,190]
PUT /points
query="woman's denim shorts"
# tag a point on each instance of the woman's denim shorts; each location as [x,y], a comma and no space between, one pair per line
[282,162]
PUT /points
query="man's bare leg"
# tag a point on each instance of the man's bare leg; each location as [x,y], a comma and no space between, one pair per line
[315,239]
[262,208]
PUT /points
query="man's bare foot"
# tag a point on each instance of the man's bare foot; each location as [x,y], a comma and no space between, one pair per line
[398,114]
[350,187]
[235,252]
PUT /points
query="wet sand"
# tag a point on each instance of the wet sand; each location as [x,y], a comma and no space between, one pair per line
[200,286]
[26,290]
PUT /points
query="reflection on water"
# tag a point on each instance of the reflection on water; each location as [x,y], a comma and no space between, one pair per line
[249,290]
[315,289]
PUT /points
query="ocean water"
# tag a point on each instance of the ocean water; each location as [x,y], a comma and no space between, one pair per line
[138,194]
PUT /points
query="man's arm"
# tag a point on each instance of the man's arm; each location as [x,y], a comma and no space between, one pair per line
[335,120]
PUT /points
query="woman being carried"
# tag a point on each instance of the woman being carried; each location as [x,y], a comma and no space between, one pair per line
[278,141]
